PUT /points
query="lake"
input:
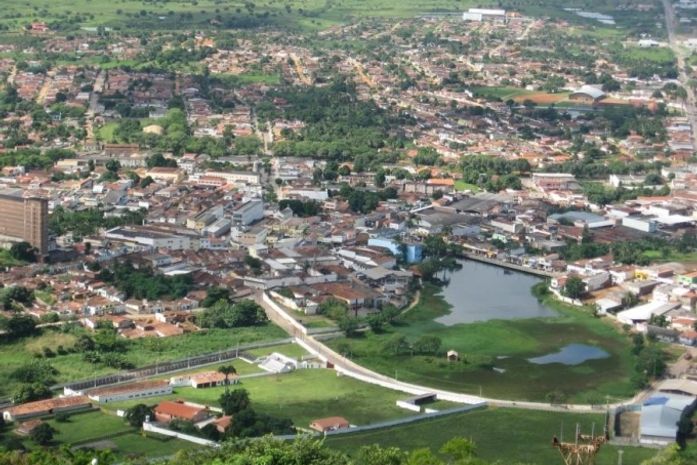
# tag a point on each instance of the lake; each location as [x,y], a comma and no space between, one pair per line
[481,292]
[572,354]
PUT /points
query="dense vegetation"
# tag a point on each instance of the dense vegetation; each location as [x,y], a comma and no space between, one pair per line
[83,223]
[142,283]
[338,125]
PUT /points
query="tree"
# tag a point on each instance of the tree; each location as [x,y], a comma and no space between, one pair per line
[574,287]
[42,434]
[396,345]
[380,178]
[378,455]
[223,314]
[10,296]
[31,392]
[458,450]
[349,326]
[214,294]
[112,165]
[21,326]
[23,251]
[427,344]
[376,321]
[136,415]
[227,370]
[234,401]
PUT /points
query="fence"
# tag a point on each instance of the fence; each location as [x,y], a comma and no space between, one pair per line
[176,434]
[167,367]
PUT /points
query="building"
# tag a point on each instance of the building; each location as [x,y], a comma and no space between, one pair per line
[232,177]
[555,181]
[46,407]
[640,223]
[129,391]
[588,95]
[484,14]
[203,380]
[24,217]
[324,425]
[248,212]
[168,410]
[660,415]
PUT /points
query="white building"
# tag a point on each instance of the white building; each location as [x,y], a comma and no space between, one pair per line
[640,223]
[235,176]
[248,212]
[122,392]
[484,14]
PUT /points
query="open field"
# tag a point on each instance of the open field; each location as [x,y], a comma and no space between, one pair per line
[304,395]
[542,98]
[296,14]
[505,435]
[505,345]
[141,352]
[87,428]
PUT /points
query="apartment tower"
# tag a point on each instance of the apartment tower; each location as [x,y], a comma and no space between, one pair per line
[24,217]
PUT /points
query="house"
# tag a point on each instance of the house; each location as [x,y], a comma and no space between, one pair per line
[46,407]
[325,425]
[452,356]
[27,427]
[223,423]
[129,391]
[168,410]
[203,380]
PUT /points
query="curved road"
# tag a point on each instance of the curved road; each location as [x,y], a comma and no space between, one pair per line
[347,367]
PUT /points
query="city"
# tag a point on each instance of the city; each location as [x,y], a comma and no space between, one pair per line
[348,232]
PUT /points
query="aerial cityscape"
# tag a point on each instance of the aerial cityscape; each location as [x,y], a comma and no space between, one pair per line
[348,232]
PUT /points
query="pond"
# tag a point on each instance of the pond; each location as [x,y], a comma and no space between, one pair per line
[481,292]
[572,354]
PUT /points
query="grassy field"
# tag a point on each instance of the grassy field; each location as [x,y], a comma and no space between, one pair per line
[506,345]
[305,395]
[302,14]
[503,93]
[290,350]
[504,435]
[141,352]
[87,428]
[461,185]
[305,14]
[7,261]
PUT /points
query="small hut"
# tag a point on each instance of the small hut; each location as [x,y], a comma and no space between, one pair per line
[453,356]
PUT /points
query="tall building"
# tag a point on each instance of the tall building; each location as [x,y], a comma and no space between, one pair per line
[24,217]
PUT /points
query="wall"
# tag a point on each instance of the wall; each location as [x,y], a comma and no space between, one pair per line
[176,434]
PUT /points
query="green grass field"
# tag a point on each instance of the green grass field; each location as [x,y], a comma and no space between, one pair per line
[141,352]
[7,261]
[87,428]
[302,15]
[461,185]
[503,93]
[503,435]
[304,395]
[504,344]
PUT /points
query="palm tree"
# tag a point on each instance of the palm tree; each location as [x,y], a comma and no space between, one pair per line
[227,370]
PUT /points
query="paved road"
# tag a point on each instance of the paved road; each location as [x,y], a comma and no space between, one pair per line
[690,107]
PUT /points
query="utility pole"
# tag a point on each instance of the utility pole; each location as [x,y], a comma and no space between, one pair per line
[619,456]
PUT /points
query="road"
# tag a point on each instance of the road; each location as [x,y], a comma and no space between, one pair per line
[690,107]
